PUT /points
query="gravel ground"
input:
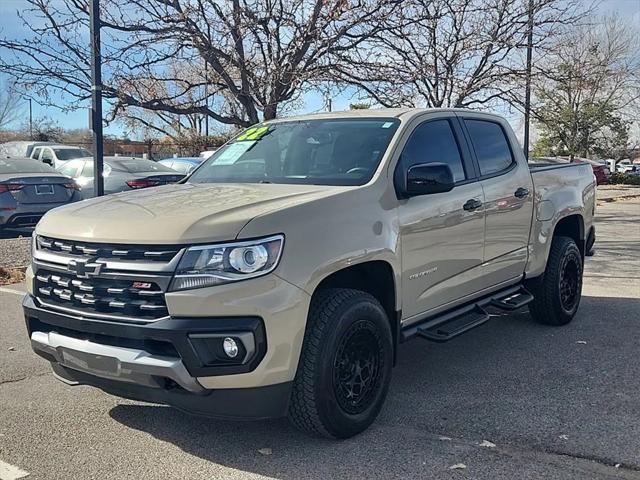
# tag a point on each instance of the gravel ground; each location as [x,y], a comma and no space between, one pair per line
[14,252]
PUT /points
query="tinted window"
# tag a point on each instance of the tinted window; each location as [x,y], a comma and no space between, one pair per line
[71,153]
[138,165]
[491,146]
[321,152]
[434,142]
[23,166]
[36,153]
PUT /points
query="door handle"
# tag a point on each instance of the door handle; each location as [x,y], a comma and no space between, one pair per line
[521,193]
[472,205]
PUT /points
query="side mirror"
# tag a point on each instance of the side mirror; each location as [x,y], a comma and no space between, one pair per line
[427,178]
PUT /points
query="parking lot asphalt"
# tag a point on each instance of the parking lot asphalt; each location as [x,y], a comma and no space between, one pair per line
[509,400]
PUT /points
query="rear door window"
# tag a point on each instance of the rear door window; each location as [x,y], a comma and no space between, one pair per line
[36,153]
[491,146]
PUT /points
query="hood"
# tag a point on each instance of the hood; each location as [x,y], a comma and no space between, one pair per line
[174,214]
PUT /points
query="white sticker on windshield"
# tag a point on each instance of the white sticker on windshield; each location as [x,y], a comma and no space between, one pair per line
[233,152]
[387,124]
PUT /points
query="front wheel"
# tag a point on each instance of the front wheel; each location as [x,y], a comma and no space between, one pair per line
[557,293]
[345,365]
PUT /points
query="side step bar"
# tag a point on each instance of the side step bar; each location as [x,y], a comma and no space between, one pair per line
[446,326]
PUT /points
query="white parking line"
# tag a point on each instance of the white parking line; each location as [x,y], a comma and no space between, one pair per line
[9,472]
[11,290]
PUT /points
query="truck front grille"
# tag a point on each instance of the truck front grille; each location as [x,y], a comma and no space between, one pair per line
[110,282]
[157,253]
[127,298]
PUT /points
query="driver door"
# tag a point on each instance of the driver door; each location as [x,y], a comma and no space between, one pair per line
[442,240]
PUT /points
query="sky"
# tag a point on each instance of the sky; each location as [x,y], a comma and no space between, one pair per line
[12,27]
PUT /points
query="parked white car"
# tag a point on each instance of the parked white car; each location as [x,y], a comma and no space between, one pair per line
[58,155]
[625,166]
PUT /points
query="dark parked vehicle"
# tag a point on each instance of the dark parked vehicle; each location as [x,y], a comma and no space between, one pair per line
[29,189]
[120,174]
[182,164]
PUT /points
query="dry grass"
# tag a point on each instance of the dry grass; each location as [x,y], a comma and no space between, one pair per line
[11,275]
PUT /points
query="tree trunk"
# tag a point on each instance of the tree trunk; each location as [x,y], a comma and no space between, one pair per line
[271,111]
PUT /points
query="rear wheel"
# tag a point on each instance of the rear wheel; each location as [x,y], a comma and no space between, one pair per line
[558,291]
[345,365]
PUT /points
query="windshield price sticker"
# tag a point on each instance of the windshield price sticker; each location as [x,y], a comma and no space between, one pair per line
[233,152]
[255,133]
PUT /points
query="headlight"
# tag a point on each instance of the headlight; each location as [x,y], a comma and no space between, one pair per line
[208,265]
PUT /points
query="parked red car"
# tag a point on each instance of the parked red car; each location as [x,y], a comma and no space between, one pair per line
[600,170]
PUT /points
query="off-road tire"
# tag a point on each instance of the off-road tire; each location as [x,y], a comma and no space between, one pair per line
[337,317]
[550,305]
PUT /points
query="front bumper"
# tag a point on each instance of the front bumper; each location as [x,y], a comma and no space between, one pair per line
[159,361]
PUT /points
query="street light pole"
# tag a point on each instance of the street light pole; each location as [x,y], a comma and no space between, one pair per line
[527,93]
[96,99]
[206,88]
[30,120]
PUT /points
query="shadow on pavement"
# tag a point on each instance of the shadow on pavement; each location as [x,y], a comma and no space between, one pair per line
[569,390]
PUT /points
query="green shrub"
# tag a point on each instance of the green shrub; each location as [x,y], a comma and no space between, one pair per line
[625,178]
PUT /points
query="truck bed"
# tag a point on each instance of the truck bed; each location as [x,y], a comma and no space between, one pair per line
[560,190]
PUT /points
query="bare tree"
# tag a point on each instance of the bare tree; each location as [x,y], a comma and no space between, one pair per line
[9,105]
[260,54]
[587,89]
[454,53]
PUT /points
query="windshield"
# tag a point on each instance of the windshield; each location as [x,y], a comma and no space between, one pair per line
[320,152]
[24,166]
[71,153]
[139,165]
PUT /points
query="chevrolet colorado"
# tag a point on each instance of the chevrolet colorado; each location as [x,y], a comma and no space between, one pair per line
[282,275]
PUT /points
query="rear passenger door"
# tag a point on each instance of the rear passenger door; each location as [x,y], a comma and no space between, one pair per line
[508,195]
[442,242]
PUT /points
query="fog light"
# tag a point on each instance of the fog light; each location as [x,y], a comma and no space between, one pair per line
[230,347]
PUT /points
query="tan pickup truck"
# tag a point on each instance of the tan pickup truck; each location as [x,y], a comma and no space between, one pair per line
[281,277]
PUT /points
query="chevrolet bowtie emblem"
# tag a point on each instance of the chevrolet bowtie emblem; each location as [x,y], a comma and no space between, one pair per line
[84,268]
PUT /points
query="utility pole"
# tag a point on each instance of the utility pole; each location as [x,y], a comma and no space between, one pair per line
[527,93]
[30,120]
[96,99]
[206,87]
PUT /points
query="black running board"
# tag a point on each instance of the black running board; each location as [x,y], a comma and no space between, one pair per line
[448,325]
